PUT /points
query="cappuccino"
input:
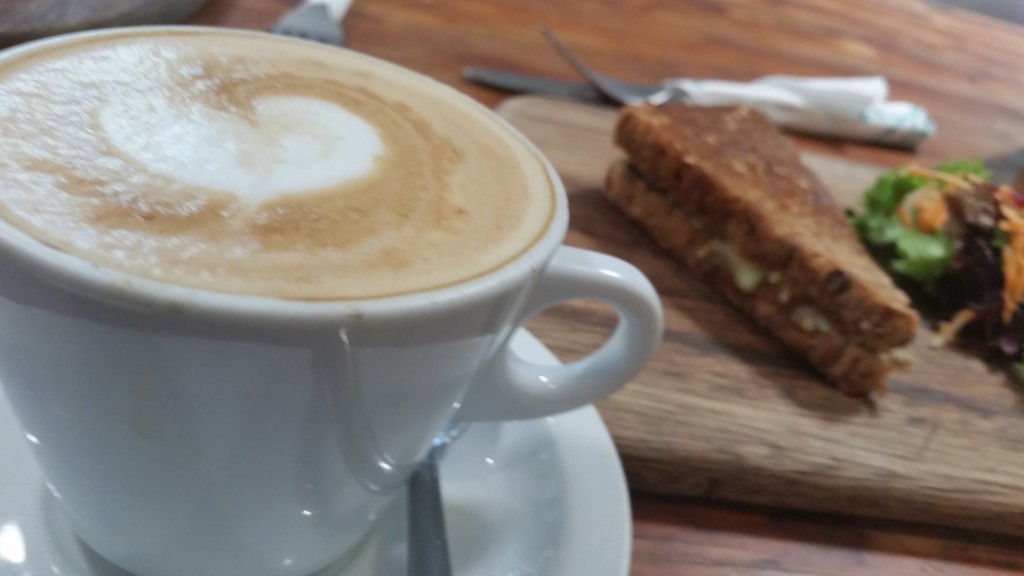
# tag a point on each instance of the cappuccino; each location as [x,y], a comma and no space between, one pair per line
[252,164]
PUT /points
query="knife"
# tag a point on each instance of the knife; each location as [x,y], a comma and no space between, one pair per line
[530,83]
[891,124]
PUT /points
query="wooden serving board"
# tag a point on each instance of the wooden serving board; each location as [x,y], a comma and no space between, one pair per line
[724,412]
[24,20]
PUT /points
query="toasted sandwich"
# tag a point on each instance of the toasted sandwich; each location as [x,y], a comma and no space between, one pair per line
[725,193]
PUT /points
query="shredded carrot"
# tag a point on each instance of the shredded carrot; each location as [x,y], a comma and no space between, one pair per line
[951,180]
[949,330]
[904,217]
[931,211]
[1013,260]
[1004,195]
[925,209]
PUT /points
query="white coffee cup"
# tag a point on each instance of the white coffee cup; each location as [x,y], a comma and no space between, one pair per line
[186,432]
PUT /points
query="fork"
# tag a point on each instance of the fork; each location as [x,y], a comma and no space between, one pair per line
[854,108]
[317,20]
[614,90]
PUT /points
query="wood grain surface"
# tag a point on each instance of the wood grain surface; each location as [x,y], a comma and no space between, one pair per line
[963,67]
[724,412]
[24,20]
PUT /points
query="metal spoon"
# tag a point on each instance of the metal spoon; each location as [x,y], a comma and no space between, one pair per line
[428,541]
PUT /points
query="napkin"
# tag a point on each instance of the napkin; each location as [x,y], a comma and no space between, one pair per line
[854,108]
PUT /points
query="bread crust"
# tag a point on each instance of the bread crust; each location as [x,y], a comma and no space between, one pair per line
[700,178]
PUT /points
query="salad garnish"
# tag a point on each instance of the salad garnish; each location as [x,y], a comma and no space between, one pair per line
[955,242]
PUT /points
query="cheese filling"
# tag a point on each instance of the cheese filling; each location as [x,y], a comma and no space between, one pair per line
[748,277]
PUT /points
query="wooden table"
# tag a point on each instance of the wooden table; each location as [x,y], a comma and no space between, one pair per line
[975,91]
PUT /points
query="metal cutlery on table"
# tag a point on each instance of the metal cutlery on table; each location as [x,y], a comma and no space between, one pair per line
[532,84]
[851,108]
[427,536]
[599,88]
[317,20]
[611,88]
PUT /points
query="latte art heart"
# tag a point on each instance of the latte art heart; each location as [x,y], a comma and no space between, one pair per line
[253,164]
[290,144]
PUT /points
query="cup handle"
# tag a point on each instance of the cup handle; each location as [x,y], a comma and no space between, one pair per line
[511,387]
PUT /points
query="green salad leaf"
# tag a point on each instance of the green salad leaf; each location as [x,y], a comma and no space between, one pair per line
[1000,238]
[898,224]
[922,257]
[889,190]
[877,229]
[974,168]
[918,256]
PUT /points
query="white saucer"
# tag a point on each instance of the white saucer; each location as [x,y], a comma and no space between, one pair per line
[542,497]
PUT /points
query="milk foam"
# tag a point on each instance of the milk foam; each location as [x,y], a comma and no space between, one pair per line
[290,144]
[252,164]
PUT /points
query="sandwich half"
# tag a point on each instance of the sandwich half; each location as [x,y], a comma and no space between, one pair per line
[725,193]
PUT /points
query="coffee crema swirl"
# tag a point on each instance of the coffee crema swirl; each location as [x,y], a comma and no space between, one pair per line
[256,165]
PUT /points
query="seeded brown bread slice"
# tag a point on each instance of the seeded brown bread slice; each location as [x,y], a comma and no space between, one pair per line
[721,186]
